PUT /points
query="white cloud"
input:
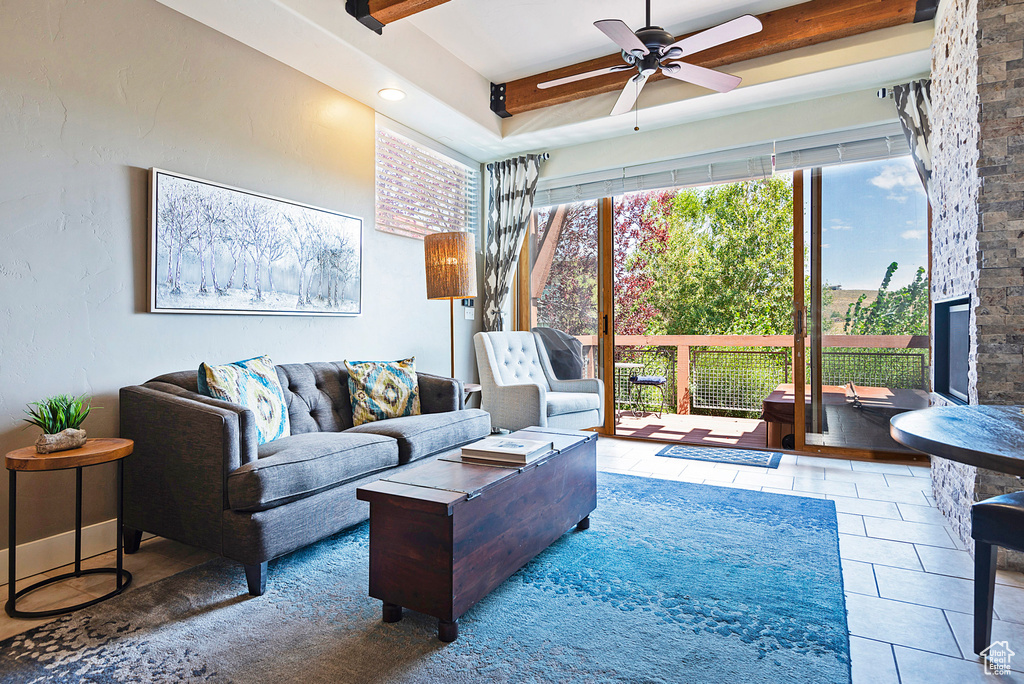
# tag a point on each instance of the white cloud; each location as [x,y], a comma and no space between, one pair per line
[919,234]
[840,225]
[897,179]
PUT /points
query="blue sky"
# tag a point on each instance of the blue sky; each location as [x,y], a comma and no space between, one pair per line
[873,213]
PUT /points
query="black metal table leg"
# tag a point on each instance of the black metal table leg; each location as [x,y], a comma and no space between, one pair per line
[120,515]
[124,578]
[12,506]
[78,521]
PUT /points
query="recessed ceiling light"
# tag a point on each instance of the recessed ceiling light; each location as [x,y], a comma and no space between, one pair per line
[392,94]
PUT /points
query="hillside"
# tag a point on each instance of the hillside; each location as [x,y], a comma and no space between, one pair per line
[834,315]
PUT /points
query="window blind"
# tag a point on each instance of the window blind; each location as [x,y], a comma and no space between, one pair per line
[421,191]
[866,144]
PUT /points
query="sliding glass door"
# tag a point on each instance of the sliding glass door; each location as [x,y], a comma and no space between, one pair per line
[562,262]
[864,267]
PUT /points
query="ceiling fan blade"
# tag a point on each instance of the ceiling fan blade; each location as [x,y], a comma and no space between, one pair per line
[580,77]
[629,94]
[723,33]
[622,35]
[698,75]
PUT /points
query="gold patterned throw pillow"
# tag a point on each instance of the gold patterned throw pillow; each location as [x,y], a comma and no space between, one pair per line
[382,390]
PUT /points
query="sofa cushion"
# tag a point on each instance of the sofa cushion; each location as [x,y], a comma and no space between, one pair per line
[430,433]
[560,403]
[317,396]
[298,466]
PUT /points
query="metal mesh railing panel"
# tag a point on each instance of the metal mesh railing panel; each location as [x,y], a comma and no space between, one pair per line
[898,370]
[736,380]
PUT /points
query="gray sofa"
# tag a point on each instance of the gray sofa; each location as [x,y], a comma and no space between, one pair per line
[198,476]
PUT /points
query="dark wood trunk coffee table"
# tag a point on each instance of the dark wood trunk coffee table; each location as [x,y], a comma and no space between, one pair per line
[442,536]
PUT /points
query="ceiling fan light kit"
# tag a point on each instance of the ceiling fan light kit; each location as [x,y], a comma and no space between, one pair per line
[653,49]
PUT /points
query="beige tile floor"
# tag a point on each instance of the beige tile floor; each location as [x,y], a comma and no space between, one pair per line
[908,580]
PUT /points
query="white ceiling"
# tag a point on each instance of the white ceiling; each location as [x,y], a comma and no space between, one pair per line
[445,59]
[510,39]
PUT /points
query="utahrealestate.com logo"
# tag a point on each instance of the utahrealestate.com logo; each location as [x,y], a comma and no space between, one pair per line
[997,658]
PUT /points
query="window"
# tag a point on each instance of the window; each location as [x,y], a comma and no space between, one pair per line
[422,191]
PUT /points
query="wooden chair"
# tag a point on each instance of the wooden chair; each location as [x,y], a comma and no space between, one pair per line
[995,522]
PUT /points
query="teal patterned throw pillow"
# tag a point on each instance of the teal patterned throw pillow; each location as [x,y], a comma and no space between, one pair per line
[253,384]
[382,390]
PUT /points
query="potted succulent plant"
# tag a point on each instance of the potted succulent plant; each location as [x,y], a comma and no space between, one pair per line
[60,418]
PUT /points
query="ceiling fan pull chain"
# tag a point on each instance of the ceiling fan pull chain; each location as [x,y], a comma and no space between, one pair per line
[636,113]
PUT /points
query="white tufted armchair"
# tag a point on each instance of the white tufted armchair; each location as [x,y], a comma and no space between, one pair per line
[519,389]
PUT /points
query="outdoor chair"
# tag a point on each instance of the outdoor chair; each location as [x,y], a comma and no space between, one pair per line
[638,383]
[655,376]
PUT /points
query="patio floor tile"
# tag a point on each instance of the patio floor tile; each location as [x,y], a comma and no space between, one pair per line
[886,493]
[879,551]
[873,662]
[915,533]
[903,624]
[918,667]
[878,509]
[925,589]
[859,577]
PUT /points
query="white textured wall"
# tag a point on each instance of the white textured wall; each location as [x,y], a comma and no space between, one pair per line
[92,95]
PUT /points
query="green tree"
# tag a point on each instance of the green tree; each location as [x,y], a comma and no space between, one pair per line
[901,312]
[728,265]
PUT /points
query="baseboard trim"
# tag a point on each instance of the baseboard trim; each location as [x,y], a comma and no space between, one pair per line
[46,554]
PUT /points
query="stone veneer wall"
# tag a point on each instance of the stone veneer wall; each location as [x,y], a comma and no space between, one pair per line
[978,218]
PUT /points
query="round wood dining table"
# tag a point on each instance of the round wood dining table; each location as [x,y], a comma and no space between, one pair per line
[990,437]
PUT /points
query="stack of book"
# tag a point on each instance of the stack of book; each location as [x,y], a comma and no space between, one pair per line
[505,451]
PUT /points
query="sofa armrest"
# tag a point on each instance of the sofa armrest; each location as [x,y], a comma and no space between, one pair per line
[514,407]
[439,394]
[248,434]
[175,479]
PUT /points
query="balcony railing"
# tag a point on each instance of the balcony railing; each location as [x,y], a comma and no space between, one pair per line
[736,372]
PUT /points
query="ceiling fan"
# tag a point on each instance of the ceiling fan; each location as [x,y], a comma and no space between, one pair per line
[652,48]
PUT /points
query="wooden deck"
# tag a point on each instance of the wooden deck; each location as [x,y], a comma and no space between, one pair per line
[701,430]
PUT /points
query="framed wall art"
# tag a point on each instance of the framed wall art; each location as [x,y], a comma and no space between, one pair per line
[219,249]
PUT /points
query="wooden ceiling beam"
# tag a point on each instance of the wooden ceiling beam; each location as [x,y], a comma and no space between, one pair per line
[376,14]
[789,28]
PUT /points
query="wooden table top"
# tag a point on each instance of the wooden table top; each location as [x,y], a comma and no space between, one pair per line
[869,396]
[448,481]
[98,450]
[989,437]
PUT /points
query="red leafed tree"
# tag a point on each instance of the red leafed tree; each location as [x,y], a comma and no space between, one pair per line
[564,277]
[641,234]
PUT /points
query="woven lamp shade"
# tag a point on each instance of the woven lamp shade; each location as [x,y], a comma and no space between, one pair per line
[451,265]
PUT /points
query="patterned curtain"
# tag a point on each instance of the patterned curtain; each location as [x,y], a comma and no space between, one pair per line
[512,183]
[914,106]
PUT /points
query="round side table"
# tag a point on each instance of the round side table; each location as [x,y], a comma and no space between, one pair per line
[468,390]
[95,451]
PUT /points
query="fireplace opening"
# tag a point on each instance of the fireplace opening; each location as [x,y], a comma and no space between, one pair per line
[952,348]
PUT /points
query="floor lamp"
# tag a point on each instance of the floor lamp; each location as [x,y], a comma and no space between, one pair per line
[451,272]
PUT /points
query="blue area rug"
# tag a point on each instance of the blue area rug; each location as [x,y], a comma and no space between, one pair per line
[749,457]
[673,582]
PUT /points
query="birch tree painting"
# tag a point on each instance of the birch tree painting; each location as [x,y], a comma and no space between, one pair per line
[219,249]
